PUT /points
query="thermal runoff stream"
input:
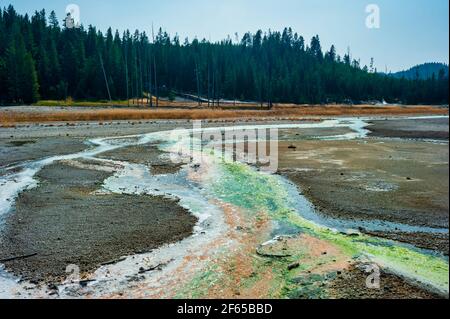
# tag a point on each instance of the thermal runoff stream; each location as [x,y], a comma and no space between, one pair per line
[252,224]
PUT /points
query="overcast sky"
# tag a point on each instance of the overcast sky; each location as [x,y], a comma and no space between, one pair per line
[411,31]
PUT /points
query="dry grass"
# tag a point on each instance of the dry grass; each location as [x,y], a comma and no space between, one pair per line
[8,118]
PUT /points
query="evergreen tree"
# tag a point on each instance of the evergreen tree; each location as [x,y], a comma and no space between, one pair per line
[21,77]
[29,86]
[40,58]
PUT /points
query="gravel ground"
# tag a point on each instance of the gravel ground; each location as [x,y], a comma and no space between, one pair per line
[351,284]
[398,180]
[418,128]
[63,222]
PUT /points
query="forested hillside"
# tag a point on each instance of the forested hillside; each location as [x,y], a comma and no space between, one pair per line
[424,71]
[41,59]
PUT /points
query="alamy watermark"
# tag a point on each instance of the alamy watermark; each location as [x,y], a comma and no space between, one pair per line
[73,16]
[374,279]
[373,20]
[255,146]
[73,274]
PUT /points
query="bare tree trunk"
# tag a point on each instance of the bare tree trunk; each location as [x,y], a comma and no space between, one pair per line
[147,73]
[198,83]
[150,91]
[218,89]
[218,94]
[133,77]
[156,82]
[213,88]
[154,70]
[106,78]
[208,84]
[270,83]
[261,99]
[137,77]
[234,88]
[141,87]
[126,74]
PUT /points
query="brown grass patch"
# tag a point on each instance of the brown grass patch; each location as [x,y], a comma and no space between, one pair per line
[8,118]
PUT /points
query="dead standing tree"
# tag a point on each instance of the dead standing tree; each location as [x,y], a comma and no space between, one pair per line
[106,78]
[126,73]
[154,68]
[208,82]
[150,93]
[215,83]
[197,75]
[136,70]
[140,59]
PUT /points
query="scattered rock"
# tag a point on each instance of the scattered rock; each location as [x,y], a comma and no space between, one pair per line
[52,287]
[271,254]
[142,270]
[293,266]
[114,261]
[351,233]
[135,278]
[20,143]
[84,283]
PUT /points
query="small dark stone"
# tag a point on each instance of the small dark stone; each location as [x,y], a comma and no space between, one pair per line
[52,287]
[293,266]
[84,283]
[34,281]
